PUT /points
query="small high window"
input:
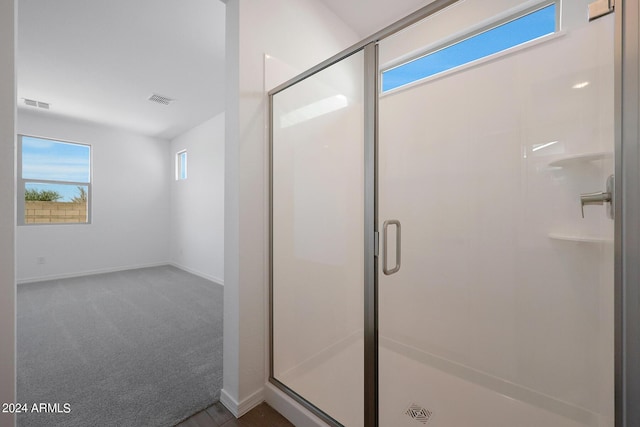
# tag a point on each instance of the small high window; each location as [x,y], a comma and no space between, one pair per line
[517,30]
[181,165]
[54,182]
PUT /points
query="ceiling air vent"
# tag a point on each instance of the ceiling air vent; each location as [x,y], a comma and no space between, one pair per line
[160,99]
[34,103]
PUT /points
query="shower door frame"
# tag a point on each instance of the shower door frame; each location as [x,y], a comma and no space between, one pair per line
[627,216]
[627,211]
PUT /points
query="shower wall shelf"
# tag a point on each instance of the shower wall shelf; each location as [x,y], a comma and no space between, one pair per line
[579,238]
[581,158]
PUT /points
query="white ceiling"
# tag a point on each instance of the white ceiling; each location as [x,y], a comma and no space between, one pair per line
[101,60]
[367,17]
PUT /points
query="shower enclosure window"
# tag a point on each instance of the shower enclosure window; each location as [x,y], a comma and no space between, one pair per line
[517,30]
[495,297]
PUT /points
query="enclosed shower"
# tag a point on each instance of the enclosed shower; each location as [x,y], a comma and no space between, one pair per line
[442,222]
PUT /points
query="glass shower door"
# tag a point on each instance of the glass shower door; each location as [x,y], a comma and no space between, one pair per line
[495,294]
[317,240]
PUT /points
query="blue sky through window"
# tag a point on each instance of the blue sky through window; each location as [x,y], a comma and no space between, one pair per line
[526,28]
[44,159]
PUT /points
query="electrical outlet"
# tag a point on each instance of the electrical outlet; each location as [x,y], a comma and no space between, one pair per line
[41,260]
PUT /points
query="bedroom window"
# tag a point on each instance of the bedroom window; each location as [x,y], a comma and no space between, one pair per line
[54,181]
[181,165]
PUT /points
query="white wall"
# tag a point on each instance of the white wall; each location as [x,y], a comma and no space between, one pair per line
[197,203]
[300,33]
[130,205]
[8,11]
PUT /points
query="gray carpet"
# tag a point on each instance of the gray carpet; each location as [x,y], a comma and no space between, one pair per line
[134,348]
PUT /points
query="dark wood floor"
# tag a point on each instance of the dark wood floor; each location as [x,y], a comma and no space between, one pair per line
[217,415]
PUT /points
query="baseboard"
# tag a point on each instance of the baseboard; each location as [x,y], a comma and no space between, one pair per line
[209,277]
[88,273]
[229,402]
[290,409]
[241,408]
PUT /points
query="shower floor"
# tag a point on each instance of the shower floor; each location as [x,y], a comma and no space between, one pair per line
[448,400]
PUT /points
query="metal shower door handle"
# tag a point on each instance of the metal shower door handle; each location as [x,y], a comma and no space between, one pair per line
[385,267]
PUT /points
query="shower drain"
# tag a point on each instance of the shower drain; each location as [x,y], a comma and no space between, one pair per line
[419,413]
